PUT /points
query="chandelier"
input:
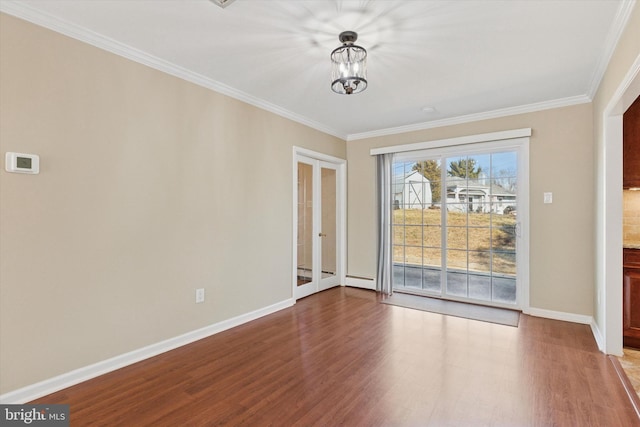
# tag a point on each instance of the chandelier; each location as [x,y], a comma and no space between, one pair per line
[348,66]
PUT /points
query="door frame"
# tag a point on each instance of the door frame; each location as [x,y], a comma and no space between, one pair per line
[341,212]
[607,327]
[489,144]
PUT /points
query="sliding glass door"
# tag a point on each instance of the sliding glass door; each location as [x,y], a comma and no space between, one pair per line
[455,223]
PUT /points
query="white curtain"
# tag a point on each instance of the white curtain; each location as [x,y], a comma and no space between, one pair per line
[384,207]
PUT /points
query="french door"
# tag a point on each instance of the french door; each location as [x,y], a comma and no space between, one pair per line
[318,226]
[457,222]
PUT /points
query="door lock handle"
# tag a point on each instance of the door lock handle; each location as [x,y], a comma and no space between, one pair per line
[322,235]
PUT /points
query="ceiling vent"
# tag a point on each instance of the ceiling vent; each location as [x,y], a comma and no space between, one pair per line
[222,3]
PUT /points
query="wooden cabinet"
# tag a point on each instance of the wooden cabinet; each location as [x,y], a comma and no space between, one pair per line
[631,146]
[631,298]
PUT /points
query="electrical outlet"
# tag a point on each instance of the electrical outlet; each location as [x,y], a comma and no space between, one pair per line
[199,295]
[548,197]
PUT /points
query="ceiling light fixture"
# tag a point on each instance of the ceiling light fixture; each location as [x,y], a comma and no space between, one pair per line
[222,3]
[348,66]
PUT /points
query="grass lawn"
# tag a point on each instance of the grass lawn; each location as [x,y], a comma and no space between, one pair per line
[474,240]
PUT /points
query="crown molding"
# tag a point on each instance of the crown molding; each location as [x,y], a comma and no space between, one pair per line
[37,17]
[617,28]
[494,114]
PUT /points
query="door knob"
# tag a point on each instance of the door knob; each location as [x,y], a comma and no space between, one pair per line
[322,235]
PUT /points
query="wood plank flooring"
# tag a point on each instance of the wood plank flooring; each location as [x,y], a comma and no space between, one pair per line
[341,358]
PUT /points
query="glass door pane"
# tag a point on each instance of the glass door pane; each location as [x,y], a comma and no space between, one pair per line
[481,206]
[416,225]
[305,223]
[329,223]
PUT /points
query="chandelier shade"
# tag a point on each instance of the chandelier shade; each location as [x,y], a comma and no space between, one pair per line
[348,66]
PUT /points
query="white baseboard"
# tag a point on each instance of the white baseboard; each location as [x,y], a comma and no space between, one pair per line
[559,315]
[597,335]
[43,388]
[359,282]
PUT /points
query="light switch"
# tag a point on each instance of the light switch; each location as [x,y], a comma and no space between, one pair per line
[548,197]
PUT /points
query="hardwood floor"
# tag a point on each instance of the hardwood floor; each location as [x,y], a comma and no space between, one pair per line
[341,358]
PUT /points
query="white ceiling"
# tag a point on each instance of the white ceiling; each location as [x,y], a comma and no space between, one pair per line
[468,59]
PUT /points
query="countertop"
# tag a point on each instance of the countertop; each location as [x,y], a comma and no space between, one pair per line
[631,245]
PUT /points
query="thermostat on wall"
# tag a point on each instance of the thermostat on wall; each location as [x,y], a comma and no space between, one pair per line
[22,163]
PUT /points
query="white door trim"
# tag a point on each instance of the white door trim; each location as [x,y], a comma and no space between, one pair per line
[299,154]
[609,215]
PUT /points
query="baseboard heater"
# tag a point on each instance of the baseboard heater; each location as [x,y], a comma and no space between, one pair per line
[361,282]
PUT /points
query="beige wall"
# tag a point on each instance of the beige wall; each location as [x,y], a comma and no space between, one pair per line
[562,234]
[149,187]
[627,51]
